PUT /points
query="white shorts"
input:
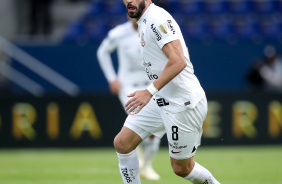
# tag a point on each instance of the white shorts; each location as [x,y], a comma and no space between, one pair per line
[183,129]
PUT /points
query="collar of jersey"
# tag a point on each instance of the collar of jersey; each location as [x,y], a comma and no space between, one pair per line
[145,14]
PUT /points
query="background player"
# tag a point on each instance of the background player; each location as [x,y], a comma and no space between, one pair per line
[130,77]
[174,103]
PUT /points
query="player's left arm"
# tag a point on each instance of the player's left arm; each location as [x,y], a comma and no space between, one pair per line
[176,63]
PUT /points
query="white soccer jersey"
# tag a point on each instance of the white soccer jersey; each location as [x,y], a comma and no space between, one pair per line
[156,28]
[124,39]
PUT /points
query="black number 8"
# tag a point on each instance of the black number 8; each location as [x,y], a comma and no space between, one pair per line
[174,133]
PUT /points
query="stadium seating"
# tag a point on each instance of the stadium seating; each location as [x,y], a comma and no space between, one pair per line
[187,7]
[219,19]
[114,8]
[216,7]
[96,7]
[264,7]
[220,28]
[195,28]
[239,6]
[245,28]
[270,28]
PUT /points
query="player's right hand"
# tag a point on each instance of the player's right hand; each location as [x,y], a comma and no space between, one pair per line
[138,101]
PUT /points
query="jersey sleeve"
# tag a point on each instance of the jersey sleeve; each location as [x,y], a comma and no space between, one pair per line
[112,41]
[162,30]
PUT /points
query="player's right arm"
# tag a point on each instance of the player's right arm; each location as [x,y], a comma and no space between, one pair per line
[176,63]
[105,61]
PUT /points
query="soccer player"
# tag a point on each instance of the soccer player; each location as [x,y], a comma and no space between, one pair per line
[130,77]
[174,103]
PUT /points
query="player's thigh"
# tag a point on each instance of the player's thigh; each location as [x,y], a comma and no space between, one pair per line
[184,130]
[147,122]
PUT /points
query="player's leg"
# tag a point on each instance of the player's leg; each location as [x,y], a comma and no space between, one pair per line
[192,171]
[182,167]
[136,128]
[124,91]
[182,160]
[125,143]
[184,131]
[150,147]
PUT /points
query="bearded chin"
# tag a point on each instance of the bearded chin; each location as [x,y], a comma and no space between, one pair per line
[139,12]
[132,15]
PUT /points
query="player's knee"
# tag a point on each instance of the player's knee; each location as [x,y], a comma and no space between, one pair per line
[182,168]
[121,146]
[179,171]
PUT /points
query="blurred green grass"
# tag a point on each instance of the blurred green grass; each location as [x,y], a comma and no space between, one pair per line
[230,165]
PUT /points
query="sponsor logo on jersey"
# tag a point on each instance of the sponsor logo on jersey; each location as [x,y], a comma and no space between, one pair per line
[145,21]
[161,102]
[175,152]
[187,103]
[175,146]
[170,26]
[146,65]
[126,175]
[163,28]
[143,43]
[157,33]
[149,70]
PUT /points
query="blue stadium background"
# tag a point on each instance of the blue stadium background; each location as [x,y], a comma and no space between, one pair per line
[224,38]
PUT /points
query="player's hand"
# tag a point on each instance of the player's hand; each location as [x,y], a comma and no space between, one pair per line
[115,87]
[138,101]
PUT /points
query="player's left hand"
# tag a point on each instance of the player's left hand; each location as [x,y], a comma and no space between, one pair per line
[138,101]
